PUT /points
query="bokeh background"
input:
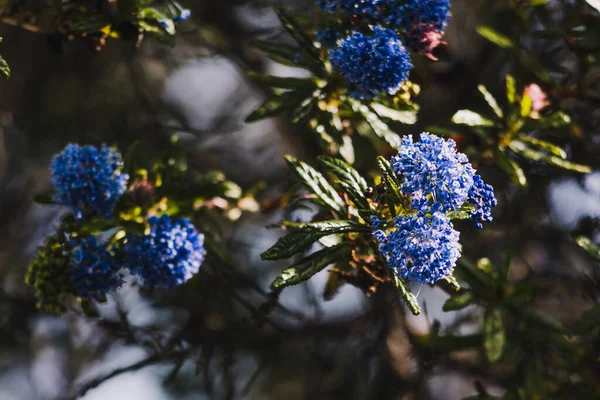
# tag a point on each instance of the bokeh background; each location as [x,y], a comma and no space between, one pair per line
[352,347]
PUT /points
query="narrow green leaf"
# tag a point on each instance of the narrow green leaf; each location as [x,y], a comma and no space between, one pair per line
[305,234]
[278,52]
[317,184]
[283,82]
[491,101]
[275,105]
[513,170]
[511,89]
[470,118]
[344,172]
[4,67]
[459,302]
[495,37]
[526,105]
[380,128]
[459,215]
[391,181]
[524,151]
[409,298]
[408,117]
[549,147]
[586,244]
[297,32]
[554,120]
[452,282]
[358,198]
[493,332]
[310,265]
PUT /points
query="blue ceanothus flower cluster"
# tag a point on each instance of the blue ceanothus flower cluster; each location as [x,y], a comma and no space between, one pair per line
[377,62]
[422,245]
[89,181]
[167,256]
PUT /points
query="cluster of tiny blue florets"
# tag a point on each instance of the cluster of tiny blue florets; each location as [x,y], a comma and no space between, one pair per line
[422,245]
[410,13]
[94,270]
[433,173]
[366,8]
[88,180]
[327,36]
[481,196]
[169,255]
[422,248]
[372,65]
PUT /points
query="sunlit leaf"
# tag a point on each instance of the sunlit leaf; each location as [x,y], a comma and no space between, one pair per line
[493,332]
[513,170]
[586,244]
[471,118]
[275,105]
[491,101]
[304,235]
[511,88]
[497,38]
[317,184]
[549,147]
[409,299]
[408,117]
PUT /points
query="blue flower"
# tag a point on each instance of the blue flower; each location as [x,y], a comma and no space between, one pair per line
[407,14]
[372,65]
[481,195]
[183,16]
[328,36]
[419,247]
[94,270]
[368,8]
[88,180]
[169,255]
[433,173]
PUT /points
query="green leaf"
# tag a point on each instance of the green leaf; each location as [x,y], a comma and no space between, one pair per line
[305,234]
[459,302]
[513,170]
[460,214]
[451,281]
[526,105]
[152,20]
[278,52]
[344,172]
[46,197]
[495,37]
[380,128]
[493,332]
[549,147]
[310,265]
[4,67]
[296,31]
[351,182]
[491,101]
[391,181]
[409,298]
[586,244]
[275,105]
[524,151]
[283,82]
[470,118]
[408,117]
[554,120]
[317,184]
[511,89]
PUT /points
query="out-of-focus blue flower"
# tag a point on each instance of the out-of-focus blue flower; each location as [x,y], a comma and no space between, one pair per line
[88,180]
[433,173]
[418,247]
[94,270]
[372,65]
[169,255]
[406,14]
[183,16]
[368,8]
[327,36]
[482,197]
[422,21]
